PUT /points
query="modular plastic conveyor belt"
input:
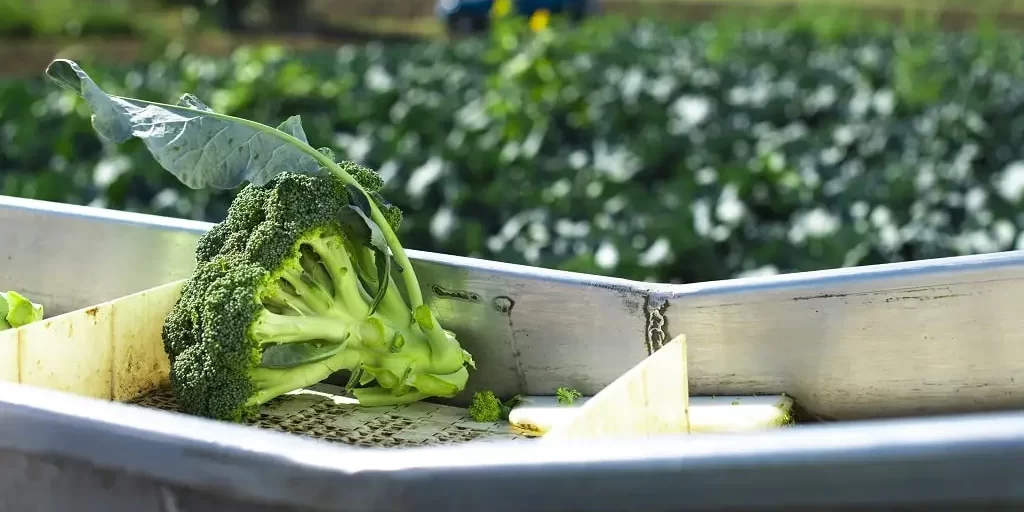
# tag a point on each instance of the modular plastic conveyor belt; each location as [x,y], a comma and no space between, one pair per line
[912,369]
[321,412]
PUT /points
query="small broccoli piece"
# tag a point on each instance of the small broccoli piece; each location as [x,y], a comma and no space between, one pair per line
[288,290]
[567,396]
[486,407]
[16,310]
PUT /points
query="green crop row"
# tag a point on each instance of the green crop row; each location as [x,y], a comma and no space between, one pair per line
[644,151]
[48,18]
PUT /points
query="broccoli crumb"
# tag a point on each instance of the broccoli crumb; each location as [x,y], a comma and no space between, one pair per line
[567,396]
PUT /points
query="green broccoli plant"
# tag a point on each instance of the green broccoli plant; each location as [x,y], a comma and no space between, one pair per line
[567,396]
[487,407]
[295,284]
[16,310]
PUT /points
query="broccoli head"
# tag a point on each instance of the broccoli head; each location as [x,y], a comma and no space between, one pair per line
[293,286]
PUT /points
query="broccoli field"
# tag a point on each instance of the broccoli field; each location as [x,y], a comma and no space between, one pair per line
[647,151]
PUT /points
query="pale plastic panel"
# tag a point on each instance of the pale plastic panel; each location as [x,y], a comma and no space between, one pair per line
[72,353]
[113,350]
[9,356]
[536,415]
[651,399]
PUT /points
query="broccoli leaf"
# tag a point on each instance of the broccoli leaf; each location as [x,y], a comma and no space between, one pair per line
[373,238]
[202,148]
[296,354]
[206,149]
[19,310]
[3,313]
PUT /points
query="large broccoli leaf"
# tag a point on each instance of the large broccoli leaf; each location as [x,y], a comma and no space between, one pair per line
[200,147]
[205,149]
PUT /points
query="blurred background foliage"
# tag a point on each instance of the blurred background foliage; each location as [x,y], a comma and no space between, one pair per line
[673,141]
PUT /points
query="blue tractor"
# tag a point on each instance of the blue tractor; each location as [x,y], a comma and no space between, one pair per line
[462,16]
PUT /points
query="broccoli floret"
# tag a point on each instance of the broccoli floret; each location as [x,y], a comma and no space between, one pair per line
[288,202]
[567,396]
[16,310]
[485,407]
[373,183]
[285,294]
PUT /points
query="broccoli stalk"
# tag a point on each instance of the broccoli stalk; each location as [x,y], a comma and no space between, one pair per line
[322,300]
[409,275]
